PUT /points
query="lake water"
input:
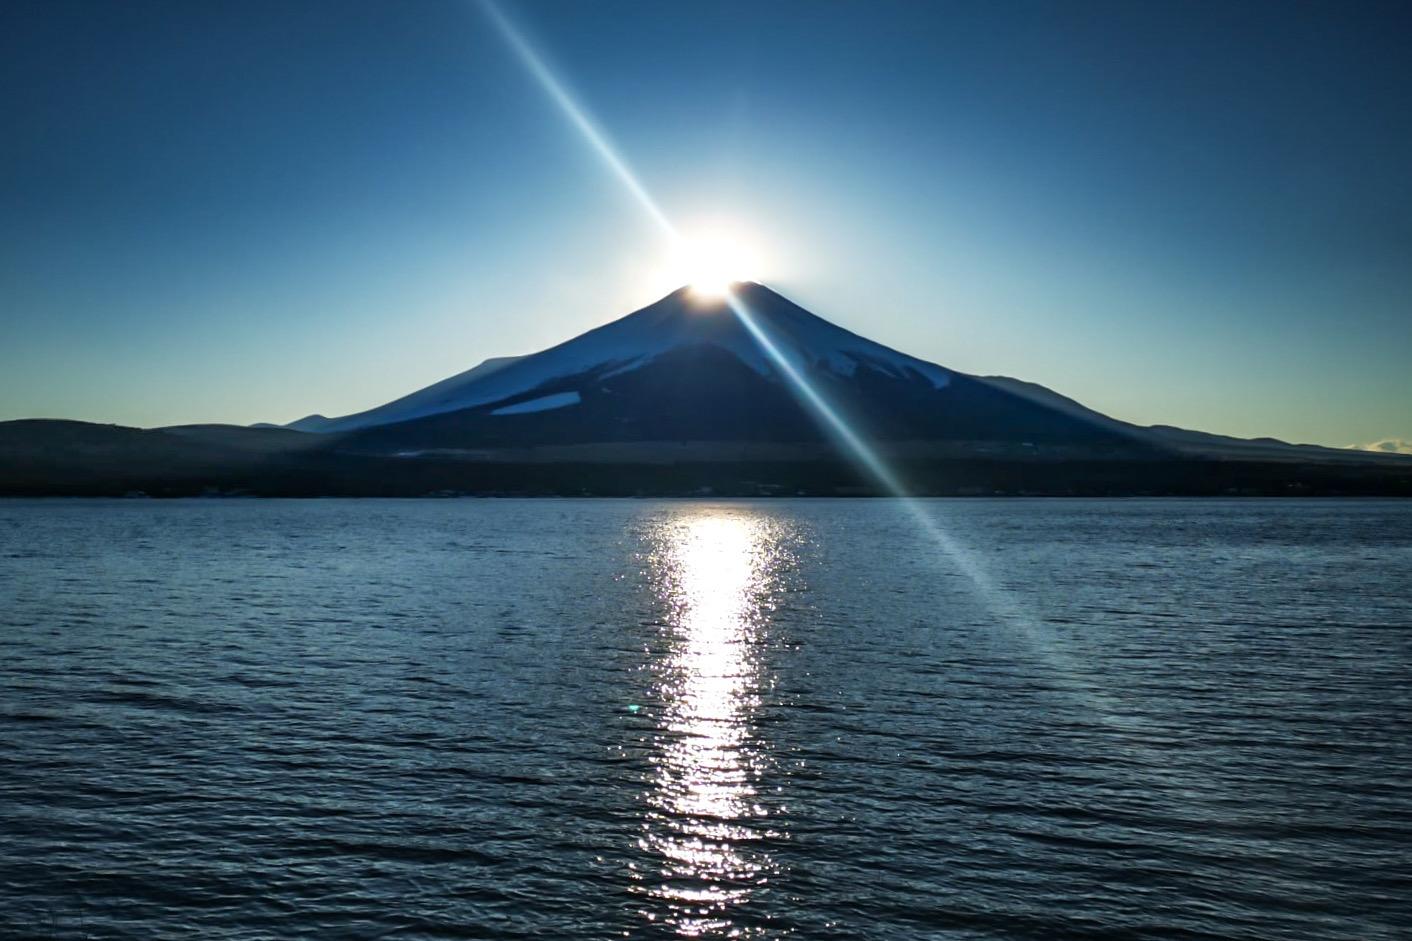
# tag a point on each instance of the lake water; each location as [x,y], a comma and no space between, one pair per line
[796,718]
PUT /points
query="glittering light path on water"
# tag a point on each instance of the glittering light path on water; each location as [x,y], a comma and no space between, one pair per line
[706,825]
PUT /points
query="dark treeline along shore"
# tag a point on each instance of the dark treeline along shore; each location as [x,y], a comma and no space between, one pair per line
[76,459]
[682,398]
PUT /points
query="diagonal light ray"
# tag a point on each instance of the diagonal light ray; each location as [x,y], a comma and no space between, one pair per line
[578,116]
[814,399]
[1077,681]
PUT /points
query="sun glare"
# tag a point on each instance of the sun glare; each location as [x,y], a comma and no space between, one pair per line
[711,261]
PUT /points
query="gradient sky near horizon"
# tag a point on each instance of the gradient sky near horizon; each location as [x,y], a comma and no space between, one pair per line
[1194,213]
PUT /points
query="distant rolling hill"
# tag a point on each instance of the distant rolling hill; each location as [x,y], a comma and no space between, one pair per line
[680,397]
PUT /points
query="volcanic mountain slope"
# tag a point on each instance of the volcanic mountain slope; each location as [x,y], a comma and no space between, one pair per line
[678,322]
[687,369]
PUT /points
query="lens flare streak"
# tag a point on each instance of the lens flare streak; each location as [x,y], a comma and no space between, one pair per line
[1073,678]
[577,115]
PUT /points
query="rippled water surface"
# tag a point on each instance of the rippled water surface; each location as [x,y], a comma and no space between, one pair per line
[810,719]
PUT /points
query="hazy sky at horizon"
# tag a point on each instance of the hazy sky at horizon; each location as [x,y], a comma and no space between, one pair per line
[1196,214]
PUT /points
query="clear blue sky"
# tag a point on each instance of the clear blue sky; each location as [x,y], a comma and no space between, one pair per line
[1195,213]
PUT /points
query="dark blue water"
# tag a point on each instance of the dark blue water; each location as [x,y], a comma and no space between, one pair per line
[808,719]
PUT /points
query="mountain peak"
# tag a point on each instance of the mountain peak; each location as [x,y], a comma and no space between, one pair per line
[696,298]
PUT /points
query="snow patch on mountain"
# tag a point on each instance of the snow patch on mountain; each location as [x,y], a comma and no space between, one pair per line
[544,403]
[1385,446]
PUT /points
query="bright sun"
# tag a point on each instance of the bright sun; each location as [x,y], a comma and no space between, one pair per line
[712,260]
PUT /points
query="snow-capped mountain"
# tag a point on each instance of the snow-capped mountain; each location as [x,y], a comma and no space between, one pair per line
[677,322]
[687,369]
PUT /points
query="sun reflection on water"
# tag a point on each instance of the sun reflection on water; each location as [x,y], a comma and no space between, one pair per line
[705,826]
